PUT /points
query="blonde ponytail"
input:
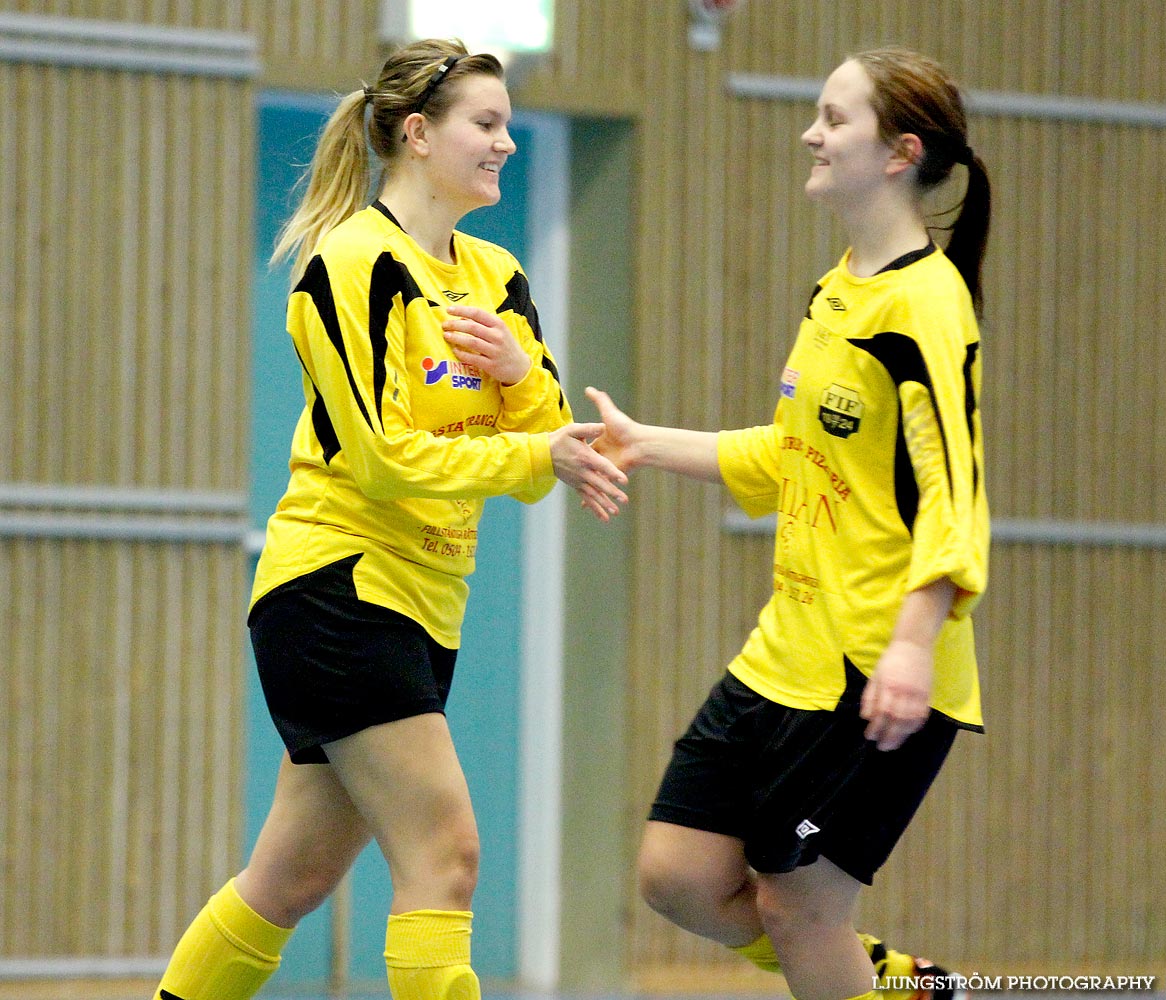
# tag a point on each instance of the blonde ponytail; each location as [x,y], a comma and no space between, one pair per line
[338,185]
[411,81]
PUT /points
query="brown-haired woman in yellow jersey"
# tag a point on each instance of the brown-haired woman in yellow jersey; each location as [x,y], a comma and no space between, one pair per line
[810,756]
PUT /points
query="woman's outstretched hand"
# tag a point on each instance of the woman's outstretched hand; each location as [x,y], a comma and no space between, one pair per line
[619,431]
[592,476]
[483,340]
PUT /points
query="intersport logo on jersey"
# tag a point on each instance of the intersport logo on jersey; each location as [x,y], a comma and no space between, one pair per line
[460,376]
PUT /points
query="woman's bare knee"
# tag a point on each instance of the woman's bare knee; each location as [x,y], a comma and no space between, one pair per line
[285,894]
[437,866]
[310,838]
[668,884]
[405,778]
[805,904]
[699,881]
[662,885]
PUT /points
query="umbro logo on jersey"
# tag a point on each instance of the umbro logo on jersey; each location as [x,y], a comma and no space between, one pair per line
[454,296]
[836,303]
[805,828]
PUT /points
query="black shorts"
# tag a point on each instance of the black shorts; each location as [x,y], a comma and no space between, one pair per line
[796,785]
[331,664]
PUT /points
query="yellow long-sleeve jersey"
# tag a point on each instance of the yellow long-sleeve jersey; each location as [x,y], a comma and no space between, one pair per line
[399,444]
[874,468]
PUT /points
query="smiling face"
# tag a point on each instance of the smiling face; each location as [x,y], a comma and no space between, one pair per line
[850,158]
[469,145]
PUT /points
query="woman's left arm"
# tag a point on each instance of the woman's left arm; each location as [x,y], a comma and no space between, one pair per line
[532,398]
[483,340]
[896,700]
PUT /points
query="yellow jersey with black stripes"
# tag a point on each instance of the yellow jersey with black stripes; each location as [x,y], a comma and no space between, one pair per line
[399,444]
[873,466]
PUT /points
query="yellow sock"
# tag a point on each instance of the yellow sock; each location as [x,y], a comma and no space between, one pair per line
[888,963]
[760,953]
[869,995]
[227,953]
[427,954]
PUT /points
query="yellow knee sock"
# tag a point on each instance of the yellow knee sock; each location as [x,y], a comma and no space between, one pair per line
[886,961]
[227,953]
[427,954]
[760,953]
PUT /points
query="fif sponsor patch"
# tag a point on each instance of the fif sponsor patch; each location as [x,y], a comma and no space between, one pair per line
[840,410]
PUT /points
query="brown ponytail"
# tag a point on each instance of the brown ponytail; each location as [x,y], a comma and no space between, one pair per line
[914,94]
[969,233]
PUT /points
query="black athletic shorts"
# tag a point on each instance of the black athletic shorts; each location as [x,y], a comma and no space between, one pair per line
[796,785]
[331,664]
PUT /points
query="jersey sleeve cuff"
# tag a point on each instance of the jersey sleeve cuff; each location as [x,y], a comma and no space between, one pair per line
[757,495]
[541,466]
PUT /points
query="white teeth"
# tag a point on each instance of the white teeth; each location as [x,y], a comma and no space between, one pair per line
[492,167]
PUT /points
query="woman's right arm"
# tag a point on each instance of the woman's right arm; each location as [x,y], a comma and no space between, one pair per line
[632,445]
[355,365]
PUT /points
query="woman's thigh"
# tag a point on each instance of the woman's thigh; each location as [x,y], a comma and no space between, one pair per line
[405,779]
[311,836]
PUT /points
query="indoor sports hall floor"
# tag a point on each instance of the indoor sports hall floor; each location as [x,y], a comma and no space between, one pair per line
[706,992]
[73,990]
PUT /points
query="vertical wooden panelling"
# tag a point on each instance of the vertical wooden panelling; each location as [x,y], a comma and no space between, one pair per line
[126,205]
[310,44]
[117,699]
[126,305]
[316,44]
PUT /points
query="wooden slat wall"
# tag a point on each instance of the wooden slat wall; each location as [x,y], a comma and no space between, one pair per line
[305,44]
[124,328]
[121,809]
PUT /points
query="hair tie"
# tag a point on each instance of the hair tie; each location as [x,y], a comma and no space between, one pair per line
[369,93]
[965,156]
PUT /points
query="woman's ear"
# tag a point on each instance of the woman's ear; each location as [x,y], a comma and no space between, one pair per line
[415,133]
[907,151]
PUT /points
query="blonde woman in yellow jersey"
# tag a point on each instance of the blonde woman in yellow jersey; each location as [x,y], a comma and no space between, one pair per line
[808,759]
[427,388]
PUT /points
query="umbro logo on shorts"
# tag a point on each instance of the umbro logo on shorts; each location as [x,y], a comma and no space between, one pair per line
[805,828]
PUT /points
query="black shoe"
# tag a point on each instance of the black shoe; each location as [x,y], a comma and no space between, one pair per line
[937,983]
